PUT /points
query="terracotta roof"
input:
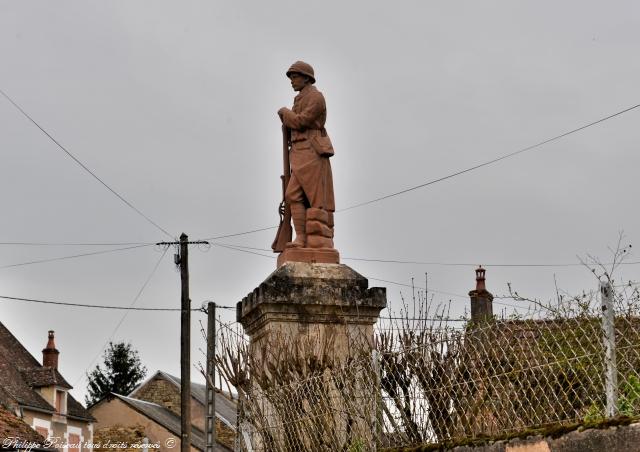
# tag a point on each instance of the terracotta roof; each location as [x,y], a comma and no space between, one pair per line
[76,410]
[44,376]
[167,419]
[11,426]
[20,373]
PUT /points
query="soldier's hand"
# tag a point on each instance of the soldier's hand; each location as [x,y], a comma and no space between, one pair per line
[281,112]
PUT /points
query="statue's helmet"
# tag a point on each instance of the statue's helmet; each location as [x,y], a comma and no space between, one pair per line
[303,68]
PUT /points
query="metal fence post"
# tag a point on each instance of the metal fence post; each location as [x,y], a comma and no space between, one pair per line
[609,338]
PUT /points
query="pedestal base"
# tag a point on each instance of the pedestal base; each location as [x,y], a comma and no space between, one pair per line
[307,323]
[309,255]
[302,294]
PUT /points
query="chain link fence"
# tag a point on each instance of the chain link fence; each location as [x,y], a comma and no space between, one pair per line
[437,383]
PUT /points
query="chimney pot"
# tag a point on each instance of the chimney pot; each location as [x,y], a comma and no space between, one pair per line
[480,285]
[481,299]
[50,352]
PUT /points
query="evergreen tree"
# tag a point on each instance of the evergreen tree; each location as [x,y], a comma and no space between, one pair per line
[121,374]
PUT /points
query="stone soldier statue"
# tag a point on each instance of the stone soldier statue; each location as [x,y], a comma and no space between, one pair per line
[309,193]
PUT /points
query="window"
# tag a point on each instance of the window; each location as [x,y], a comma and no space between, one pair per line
[60,401]
[74,443]
[44,432]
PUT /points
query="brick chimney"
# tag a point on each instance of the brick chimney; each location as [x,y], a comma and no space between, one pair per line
[481,299]
[50,353]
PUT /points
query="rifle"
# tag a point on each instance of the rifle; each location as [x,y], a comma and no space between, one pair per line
[285,233]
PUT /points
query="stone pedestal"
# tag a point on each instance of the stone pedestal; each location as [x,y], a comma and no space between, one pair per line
[312,319]
[300,299]
[310,255]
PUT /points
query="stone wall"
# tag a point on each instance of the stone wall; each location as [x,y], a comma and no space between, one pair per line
[167,394]
[114,414]
[623,438]
[162,392]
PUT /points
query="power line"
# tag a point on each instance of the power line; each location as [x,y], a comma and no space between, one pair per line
[495,160]
[97,306]
[371,278]
[242,250]
[124,316]
[75,243]
[83,166]
[466,264]
[434,263]
[241,233]
[53,259]
[417,287]
[233,248]
[426,319]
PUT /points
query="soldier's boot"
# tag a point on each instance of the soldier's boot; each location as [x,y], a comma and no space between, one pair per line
[299,217]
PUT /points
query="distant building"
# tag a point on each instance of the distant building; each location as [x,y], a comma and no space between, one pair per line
[38,395]
[155,405]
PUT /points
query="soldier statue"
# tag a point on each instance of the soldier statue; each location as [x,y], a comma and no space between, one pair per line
[308,192]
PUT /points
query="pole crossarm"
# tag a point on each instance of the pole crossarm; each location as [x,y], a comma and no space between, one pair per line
[196,242]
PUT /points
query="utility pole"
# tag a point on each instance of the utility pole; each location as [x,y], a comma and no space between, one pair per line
[185,347]
[182,260]
[210,427]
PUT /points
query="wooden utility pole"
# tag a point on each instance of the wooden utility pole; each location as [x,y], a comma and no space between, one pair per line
[182,260]
[210,427]
[185,348]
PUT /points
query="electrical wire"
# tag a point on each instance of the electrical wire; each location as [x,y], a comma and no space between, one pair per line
[466,264]
[124,316]
[241,233]
[97,306]
[74,244]
[456,173]
[373,279]
[427,319]
[83,166]
[242,250]
[434,263]
[490,162]
[73,256]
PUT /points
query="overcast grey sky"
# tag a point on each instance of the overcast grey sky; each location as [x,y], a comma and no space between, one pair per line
[173,104]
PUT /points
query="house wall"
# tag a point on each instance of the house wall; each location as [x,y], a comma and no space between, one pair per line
[48,394]
[110,413]
[58,426]
[197,414]
[162,392]
[167,394]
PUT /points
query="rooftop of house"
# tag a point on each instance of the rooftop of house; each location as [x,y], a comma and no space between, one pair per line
[21,374]
[166,418]
[11,426]
[226,409]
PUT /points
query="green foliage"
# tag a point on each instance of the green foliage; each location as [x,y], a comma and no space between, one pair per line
[629,400]
[357,445]
[594,414]
[121,374]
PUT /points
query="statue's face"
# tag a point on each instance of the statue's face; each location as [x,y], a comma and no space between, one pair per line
[298,81]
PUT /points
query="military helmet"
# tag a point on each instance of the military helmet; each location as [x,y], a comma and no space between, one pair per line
[302,68]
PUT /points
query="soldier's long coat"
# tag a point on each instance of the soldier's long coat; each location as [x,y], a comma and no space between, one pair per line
[306,121]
